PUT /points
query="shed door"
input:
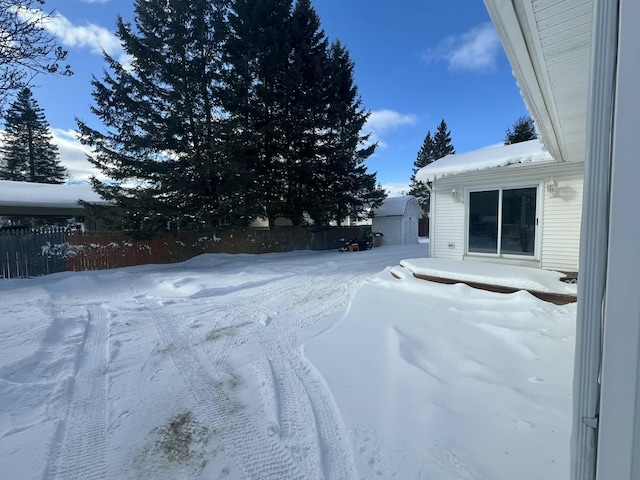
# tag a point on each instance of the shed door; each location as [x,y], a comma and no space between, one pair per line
[410,230]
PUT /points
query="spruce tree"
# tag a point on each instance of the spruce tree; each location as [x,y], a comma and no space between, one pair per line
[162,146]
[521,131]
[230,110]
[343,187]
[306,90]
[254,96]
[433,148]
[442,145]
[28,151]
[294,115]
[425,156]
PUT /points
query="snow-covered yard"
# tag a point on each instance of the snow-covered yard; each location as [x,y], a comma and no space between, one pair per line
[304,365]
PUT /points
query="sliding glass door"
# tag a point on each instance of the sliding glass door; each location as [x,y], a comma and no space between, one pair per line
[502,221]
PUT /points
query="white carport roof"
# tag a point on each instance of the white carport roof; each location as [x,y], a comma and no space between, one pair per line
[26,198]
[491,157]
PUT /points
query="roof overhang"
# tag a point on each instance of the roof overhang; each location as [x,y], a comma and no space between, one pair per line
[41,199]
[522,153]
[548,43]
[31,211]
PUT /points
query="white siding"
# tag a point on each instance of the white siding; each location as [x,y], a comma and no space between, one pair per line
[559,216]
[448,228]
[561,225]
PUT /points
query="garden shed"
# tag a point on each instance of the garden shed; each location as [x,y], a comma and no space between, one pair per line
[397,220]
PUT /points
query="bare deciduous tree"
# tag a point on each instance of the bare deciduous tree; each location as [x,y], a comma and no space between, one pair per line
[27,48]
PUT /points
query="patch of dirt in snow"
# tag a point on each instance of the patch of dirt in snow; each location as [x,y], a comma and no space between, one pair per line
[180,447]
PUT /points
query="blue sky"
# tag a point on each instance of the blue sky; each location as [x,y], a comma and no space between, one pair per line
[416,62]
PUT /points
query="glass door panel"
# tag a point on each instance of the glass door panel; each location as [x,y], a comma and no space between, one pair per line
[483,221]
[518,221]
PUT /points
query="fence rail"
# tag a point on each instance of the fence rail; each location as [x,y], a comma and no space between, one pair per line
[34,253]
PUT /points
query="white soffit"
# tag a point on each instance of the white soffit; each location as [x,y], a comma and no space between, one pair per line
[548,43]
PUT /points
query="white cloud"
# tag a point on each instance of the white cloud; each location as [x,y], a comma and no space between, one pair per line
[73,155]
[396,189]
[381,121]
[94,37]
[474,50]
[90,36]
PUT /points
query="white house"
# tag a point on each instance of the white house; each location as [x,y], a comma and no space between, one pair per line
[577,65]
[511,204]
[397,220]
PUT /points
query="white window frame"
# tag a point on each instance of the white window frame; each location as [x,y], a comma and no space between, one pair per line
[537,245]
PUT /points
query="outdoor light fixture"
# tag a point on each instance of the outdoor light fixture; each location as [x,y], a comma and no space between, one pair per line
[455,195]
[552,187]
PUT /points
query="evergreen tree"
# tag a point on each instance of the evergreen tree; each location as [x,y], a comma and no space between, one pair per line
[433,148]
[163,146]
[425,156]
[521,131]
[343,188]
[295,114]
[442,145]
[28,151]
[231,109]
[254,95]
[306,90]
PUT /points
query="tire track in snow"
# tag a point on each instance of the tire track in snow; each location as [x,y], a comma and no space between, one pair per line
[257,455]
[79,452]
[298,382]
[303,402]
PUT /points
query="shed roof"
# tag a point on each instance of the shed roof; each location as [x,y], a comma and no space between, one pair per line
[398,206]
[491,157]
[27,198]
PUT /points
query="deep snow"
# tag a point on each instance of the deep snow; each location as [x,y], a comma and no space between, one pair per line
[302,365]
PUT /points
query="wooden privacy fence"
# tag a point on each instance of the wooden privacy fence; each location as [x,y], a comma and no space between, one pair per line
[32,253]
[38,253]
[104,250]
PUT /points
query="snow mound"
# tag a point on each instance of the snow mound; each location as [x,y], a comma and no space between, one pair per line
[510,276]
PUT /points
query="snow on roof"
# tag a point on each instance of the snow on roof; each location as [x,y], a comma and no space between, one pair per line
[490,157]
[395,206]
[28,194]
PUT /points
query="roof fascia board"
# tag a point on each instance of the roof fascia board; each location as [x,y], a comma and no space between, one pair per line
[542,169]
[37,211]
[510,26]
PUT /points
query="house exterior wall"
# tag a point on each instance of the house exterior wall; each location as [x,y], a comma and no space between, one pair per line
[561,223]
[447,234]
[558,229]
